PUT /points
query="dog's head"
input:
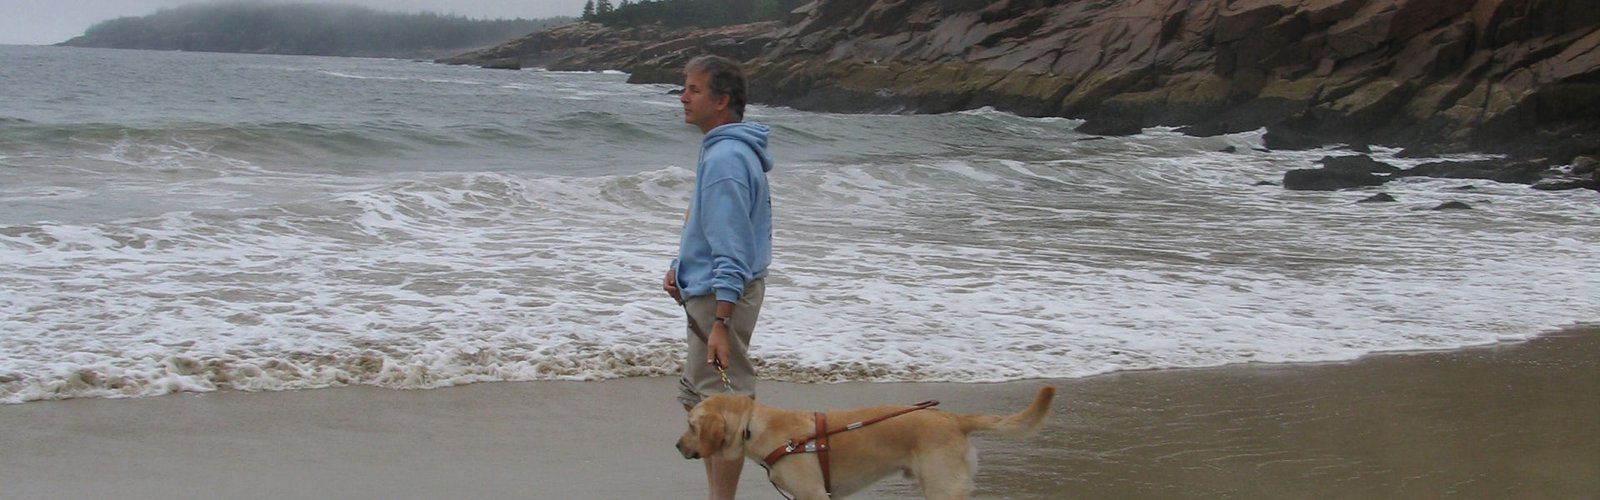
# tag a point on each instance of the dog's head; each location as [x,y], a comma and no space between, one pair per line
[715,426]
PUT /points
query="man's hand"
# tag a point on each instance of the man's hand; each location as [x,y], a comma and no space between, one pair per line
[670,284]
[717,345]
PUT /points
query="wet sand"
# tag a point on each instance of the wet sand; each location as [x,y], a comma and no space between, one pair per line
[1511,421]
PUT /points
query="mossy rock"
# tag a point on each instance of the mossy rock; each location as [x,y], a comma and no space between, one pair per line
[1029,85]
[1485,102]
[1429,101]
[1303,90]
[1376,95]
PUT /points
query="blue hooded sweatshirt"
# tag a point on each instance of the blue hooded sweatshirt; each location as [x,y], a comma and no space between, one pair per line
[727,234]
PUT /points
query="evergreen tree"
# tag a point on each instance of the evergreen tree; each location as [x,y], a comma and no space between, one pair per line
[588,10]
[302,29]
[603,8]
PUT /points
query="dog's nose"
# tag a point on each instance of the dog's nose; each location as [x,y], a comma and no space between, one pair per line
[688,453]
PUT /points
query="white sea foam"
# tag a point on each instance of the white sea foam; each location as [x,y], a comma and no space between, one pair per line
[884,273]
[975,246]
[358,77]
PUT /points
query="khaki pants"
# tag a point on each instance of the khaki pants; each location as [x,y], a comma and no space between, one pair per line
[700,379]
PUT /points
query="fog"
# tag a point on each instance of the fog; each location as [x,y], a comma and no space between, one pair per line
[43,22]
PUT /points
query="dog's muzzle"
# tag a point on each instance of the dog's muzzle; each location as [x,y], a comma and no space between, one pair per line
[688,452]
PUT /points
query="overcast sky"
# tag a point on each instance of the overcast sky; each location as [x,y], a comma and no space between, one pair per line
[42,22]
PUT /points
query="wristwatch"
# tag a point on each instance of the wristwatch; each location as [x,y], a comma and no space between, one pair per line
[723,319]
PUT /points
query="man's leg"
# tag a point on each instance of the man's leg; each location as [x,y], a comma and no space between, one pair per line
[723,477]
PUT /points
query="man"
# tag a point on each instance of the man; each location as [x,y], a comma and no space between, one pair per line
[725,247]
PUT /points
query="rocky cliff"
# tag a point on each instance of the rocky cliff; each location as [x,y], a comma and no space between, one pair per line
[1513,76]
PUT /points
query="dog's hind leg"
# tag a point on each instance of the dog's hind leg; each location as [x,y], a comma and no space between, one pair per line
[947,476]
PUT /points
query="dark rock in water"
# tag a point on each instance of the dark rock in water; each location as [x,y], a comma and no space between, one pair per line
[1249,115]
[1453,205]
[1467,187]
[675,92]
[507,63]
[1378,198]
[1566,184]
[1111,126]
[1288,139]
[1422,151]
[1584,165]
[1515,172]
[1229,149]
[1357,163]
[1322,179]
[1340,172]
[1361,148]
[1266,183]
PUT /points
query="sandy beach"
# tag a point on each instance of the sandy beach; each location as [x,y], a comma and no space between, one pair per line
[1510,421]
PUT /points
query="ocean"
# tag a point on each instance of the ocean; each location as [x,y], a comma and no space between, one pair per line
[175,222]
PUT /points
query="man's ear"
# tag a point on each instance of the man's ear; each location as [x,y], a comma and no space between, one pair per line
[712,434]
[725,102]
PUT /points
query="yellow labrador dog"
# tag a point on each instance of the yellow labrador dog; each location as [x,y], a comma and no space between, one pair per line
[929,445]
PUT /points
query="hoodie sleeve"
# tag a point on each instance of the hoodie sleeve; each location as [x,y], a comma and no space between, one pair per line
[727,205]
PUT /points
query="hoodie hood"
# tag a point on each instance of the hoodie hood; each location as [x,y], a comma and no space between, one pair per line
[751,133]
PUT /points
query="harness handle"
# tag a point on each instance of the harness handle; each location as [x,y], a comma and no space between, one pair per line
[822,452]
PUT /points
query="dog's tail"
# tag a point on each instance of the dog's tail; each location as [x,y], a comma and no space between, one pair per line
[1021,424]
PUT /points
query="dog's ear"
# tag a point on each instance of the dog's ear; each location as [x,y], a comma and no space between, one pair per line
[712,433]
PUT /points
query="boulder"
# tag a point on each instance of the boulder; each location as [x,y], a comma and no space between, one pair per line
[1111,126]
[1290,137]
[1585,165]
[505,63]
[1566,184]
[1515,172]
[1357,163]
[1322,179]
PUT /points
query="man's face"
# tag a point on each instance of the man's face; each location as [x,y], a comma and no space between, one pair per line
[699,108]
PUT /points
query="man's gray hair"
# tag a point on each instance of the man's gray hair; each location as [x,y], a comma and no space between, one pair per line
[726,79]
